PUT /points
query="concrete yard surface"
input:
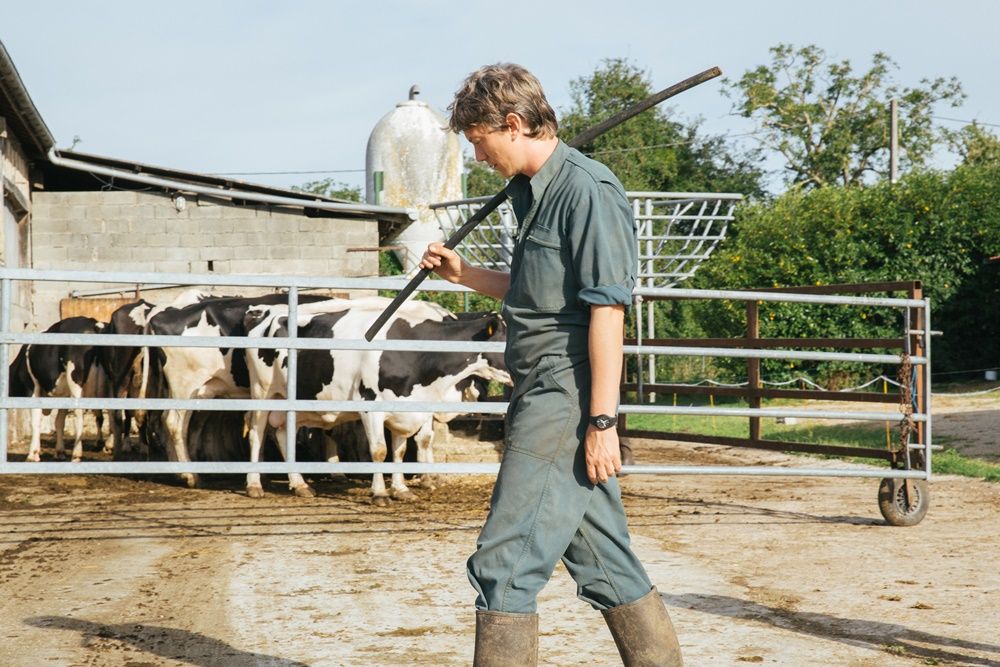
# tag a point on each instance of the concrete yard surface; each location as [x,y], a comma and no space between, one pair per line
[105,570]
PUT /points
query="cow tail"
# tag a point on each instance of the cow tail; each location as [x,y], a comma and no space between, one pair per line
[140,413]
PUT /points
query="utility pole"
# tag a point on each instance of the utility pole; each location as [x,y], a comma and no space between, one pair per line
[893,141]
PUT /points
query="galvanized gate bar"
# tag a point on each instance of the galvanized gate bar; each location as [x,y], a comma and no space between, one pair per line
[95,467]
[293,344]
[292,371]
[321,282]
[927,388]
[778,297]
[485,407]
[243,342]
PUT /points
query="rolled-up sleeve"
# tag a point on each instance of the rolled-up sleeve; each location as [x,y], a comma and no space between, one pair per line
[604,250]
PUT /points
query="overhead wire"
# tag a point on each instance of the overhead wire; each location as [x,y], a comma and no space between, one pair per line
[285,173]
[967,122]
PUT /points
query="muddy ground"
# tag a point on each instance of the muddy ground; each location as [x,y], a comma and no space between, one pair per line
[105,570]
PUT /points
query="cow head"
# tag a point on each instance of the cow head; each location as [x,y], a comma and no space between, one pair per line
[492,329]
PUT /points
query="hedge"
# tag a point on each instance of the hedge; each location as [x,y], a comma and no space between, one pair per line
[936,227]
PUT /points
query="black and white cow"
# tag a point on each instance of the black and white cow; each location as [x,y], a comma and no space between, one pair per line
[61,371]
[339,375]
[122,365]
[183,373]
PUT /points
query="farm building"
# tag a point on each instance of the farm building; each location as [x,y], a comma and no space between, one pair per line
[74,211]
[64,210]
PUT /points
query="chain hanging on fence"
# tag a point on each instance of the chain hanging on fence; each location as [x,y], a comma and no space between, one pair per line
[906,424]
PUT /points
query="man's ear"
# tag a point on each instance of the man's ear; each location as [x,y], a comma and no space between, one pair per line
[515,125]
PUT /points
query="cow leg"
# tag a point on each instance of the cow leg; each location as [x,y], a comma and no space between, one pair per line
[399,489]
[373,423]
[190,478]
[296,482]
[332,454]
[35,448]
[176,422]
[425,452]
[112,438]
[60,427]
[77,435]
[115,436]
[124,445]
[130,432]
[255,435]
[75,391]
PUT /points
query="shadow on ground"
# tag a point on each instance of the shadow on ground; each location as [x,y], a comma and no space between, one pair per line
[189,647]
[888,637]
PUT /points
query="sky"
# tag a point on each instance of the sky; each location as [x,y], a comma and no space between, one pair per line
[253,88]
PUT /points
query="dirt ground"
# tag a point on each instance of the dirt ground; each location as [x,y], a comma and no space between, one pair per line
[107,571]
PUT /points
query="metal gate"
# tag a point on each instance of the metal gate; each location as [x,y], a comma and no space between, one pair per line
[904,483]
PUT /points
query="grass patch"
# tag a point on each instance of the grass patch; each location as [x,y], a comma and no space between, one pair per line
[871,435]
[950,462]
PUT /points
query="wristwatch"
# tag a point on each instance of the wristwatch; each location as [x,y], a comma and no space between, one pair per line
[603,422]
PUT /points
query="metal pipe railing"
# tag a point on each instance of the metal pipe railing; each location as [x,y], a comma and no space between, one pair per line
[237,467]
[292,404]
[242,342]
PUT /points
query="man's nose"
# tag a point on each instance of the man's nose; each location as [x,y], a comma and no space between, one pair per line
[480,155]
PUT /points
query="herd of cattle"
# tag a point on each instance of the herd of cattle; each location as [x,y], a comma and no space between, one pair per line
[82,371]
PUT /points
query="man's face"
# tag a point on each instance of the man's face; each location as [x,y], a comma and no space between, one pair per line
[494,147]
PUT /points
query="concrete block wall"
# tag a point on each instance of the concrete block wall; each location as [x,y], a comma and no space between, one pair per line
[140,231]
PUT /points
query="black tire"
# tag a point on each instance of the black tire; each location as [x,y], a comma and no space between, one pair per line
[892,501]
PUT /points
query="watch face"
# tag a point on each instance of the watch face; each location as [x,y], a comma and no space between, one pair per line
[602,421]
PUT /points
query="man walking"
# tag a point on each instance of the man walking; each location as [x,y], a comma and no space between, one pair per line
[571,280]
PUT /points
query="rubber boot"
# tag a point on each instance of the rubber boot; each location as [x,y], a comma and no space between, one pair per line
[506,640]
[643,633]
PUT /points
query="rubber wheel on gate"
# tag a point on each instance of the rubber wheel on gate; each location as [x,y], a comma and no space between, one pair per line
[892,501]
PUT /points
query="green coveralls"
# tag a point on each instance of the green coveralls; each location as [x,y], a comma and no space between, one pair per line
[576,246]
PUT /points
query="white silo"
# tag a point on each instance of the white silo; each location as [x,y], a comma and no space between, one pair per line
[413,160]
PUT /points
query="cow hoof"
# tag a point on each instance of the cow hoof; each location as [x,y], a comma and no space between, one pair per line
[76,459]
[108,450]
[628,458]
[380,501]
[304,492]
[60,456]
[190,480]
[404,495]
[255,492]
[429,483]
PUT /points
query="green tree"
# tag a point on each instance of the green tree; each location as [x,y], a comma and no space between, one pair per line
[653,151]
[328,187]
[830,124]
[480,180]
[936,227]
[976,145]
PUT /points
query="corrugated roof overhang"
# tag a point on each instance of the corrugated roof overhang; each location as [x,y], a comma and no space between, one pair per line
[69,170]
[17,108]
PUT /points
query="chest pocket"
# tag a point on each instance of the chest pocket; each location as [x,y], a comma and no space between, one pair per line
[544,281]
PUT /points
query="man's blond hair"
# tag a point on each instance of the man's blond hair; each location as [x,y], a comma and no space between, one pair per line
[491,92]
